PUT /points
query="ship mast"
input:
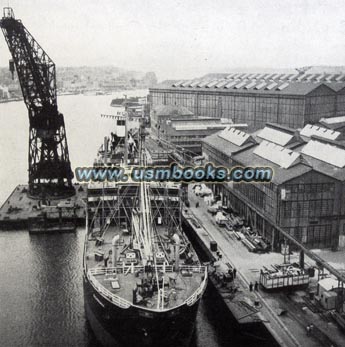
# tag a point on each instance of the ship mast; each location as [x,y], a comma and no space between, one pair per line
[145,208]
[146,229]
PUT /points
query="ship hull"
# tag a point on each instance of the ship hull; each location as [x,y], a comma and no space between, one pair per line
[115,326]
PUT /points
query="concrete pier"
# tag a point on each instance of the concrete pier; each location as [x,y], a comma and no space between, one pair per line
[19,208]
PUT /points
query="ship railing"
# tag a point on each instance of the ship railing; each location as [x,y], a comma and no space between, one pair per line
[126,304]
[193,268]
[197,294]
[114,298]
[129,268]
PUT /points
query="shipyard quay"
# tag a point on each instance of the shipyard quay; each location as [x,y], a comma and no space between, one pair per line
[292,100]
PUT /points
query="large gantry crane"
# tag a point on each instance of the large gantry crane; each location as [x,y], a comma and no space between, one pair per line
[50,171]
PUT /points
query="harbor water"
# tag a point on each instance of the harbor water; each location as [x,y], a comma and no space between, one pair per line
[41,291]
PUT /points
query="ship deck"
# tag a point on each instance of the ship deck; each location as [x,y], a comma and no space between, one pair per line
[117,282]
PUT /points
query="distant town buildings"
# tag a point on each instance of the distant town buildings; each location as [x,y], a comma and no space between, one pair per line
[76,80]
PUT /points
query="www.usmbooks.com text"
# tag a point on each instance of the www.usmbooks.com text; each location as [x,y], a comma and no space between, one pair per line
[175,173]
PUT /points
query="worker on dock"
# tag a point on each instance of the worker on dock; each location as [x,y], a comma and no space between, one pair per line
[251,286]
[256,286]
[234,271]
[311,327]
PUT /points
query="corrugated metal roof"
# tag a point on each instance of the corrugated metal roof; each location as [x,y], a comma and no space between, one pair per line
[275,76]
[240,85]
[274,135]
[310,130]
[332,77]
[285,163]
[212,84]
[309,77]
[194,83]
[255,76]
[186,84]
[236,75]
[293,77]
[269,76]
[271,86]
[245,75]
[231,84]
[283,86]
[203,83]
[284,77]
[234,136]
[260,86]
[325,76]
[326,168]
[281,175]
[260,76]
[231,75]
[279,155]
[329,77]
[221,84]
[340,77]
[325,152]
[315,77]
[223,145]
[299,77]
[291,88]
[320,77]
[333,120]
[177,84]
[279,76]
[250,85]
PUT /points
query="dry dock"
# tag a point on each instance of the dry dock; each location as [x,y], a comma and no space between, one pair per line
[284,314]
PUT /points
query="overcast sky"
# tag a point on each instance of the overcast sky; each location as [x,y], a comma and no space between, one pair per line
[185,38]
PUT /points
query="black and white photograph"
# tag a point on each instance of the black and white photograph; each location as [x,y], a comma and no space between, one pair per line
[172,173]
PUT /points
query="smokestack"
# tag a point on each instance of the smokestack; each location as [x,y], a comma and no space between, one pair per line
[114,250]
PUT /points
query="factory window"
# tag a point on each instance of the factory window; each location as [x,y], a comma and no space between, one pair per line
[308,208]
[319,235]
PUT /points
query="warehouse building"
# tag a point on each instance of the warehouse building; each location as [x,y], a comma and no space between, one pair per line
[292,100]
[188,132]
[161,113]
[307,194]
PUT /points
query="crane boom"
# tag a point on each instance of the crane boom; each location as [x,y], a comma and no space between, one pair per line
[49,165]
